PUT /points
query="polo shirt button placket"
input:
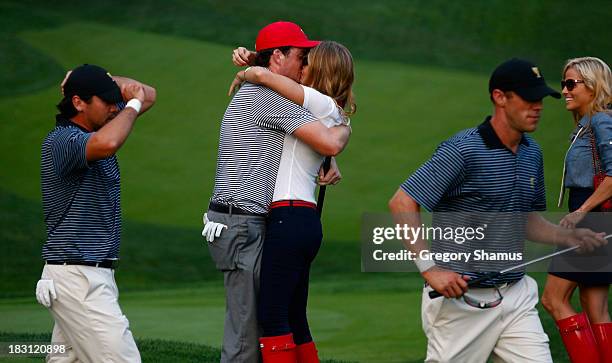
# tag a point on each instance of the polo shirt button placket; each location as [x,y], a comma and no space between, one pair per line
[516,164]
[517,177]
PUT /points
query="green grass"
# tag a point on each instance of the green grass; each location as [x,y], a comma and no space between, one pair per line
[151,350]
[372,319]
[347,324]
[422,72]
[395,129]
[472,36]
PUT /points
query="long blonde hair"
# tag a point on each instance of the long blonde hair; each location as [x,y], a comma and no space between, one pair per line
[597,78]
[331,72]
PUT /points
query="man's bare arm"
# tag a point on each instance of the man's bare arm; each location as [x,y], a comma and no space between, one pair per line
[542,231]
[109,138]
[150,93]
[325,141]
[282,85]
[407,211]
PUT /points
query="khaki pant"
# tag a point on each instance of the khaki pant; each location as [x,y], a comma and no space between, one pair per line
[511,332]
[88,317]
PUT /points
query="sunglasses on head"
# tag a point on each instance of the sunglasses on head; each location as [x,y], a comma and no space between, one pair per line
[570,84]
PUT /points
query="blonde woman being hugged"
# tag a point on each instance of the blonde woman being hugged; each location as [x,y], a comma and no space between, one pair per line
[293,230]
[587,88]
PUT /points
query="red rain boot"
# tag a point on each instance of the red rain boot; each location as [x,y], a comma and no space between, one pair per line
[307,353]
[578,339]
[603,336]
[278,349]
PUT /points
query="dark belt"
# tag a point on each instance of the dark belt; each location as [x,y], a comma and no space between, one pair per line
[230,209]
[104,263]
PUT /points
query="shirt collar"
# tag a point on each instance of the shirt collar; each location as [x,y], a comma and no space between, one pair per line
[61,120]
[490,138]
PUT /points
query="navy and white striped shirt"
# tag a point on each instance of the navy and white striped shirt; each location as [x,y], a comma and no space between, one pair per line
[250,146]
[472,180]
[81,200]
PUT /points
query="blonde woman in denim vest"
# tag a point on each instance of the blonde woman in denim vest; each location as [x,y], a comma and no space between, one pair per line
[587,88]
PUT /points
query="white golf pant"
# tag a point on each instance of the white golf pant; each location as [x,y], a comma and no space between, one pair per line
[510,332]
[88,317]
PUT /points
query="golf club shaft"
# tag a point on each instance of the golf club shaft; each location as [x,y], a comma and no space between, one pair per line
[550,255]
[321,197]
[434,294]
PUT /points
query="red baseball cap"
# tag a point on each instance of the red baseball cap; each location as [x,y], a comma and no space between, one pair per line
[283,34]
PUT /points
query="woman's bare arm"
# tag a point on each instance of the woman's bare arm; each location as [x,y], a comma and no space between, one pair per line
[284,86]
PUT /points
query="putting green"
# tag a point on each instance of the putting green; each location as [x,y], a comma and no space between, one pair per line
[349,325]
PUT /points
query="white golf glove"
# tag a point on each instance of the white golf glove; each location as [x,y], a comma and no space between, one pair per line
[45,292]
[211,229]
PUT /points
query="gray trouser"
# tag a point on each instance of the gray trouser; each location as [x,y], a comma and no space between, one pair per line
[237,253]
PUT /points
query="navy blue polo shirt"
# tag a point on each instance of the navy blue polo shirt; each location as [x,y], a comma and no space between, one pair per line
[81,200]
[473,180]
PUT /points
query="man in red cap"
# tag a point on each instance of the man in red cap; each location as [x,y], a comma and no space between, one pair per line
[250,146]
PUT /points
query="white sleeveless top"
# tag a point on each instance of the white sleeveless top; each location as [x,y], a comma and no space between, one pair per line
[299,165]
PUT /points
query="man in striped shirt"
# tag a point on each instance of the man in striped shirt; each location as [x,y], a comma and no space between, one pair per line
[250,145]
[81,203]
[493,172]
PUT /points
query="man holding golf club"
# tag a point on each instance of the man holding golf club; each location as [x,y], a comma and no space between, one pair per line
[493,171]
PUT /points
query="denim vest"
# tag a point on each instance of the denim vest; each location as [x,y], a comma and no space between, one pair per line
[579,160]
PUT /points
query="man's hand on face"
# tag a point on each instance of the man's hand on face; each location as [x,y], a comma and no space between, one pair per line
[332,176]
[448,283]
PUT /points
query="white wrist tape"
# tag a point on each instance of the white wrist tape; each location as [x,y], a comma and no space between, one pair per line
[424,265]
[135,104]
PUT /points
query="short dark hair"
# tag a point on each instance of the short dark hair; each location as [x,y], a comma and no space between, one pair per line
[508,94]
[262,58]
[66,108]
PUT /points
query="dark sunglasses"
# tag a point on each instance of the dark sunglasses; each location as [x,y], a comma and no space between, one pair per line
[570,84]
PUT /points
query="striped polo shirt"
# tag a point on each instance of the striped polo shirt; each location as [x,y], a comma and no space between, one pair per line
[250,146]
[473,180]
[81,200]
